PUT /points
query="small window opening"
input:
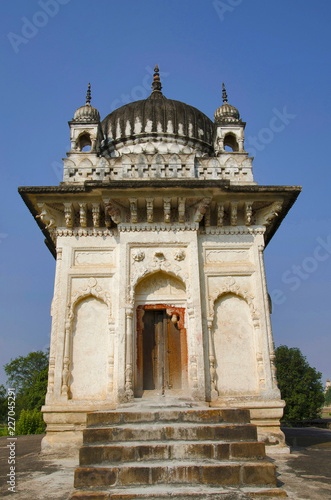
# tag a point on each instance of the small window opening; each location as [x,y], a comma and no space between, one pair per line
[84,142]
[230,143]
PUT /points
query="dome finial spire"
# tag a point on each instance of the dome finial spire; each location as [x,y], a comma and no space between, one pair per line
[224,94]
[156,85]
[88,94]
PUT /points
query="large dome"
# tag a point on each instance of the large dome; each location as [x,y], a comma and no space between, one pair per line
[157,119]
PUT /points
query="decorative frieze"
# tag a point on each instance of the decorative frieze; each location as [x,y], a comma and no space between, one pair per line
[157,162]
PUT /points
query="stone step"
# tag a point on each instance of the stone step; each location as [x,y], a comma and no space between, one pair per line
[166,432]
[178,450]
[176,415]
[181,472]
[181,493]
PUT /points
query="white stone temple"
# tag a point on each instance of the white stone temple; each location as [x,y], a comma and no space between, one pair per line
[158,230]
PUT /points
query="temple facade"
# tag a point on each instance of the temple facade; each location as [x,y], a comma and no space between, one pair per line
[158,230]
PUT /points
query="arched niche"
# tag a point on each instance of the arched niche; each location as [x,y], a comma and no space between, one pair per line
[234,347]
[89,348]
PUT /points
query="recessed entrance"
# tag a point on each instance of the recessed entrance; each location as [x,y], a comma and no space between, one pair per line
[161,351]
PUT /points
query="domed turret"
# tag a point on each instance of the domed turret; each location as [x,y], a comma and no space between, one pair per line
[85,131]
[229,128]
[87,113]
[226,113]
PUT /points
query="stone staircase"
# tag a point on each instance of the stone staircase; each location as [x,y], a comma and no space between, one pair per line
[177,453]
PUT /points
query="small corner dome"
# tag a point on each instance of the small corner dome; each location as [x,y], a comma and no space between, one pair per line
[87,113]
[226,113]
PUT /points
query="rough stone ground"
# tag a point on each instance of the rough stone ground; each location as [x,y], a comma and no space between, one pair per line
[305,474]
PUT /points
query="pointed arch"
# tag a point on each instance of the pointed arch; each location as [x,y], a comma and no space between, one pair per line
[231,288]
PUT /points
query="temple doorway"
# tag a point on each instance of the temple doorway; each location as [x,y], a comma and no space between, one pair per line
[161,351]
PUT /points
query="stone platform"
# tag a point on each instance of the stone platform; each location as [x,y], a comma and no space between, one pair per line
[175,453]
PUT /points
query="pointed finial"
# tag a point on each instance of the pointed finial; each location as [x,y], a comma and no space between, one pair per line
[224,94]
[88,94]
[156,85]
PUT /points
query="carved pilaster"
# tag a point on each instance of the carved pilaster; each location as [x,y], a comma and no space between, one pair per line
[51,373]
[96,214]
[207,217]
[110,387]
[150,208]
[234,213]
[267,315]
[248,213]
[259,357]
[107,219]
[181,210]
[66,361]
[133,210]
[212,361]
[129,355]
[68,214]
[82,214]
[167,209]
[220,214]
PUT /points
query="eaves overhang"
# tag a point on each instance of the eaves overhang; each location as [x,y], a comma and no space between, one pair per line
[288,195]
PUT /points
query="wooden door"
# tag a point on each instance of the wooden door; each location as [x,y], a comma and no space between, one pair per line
[161,346]
[173,357]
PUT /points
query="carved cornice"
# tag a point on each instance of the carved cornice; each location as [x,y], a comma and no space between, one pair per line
[85,232]
[157,227]
[233,230]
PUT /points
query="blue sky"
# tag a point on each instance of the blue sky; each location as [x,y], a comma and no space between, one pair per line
[273,57]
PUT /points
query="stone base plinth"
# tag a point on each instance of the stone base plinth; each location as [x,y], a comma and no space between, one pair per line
[266,415]
[65,425]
